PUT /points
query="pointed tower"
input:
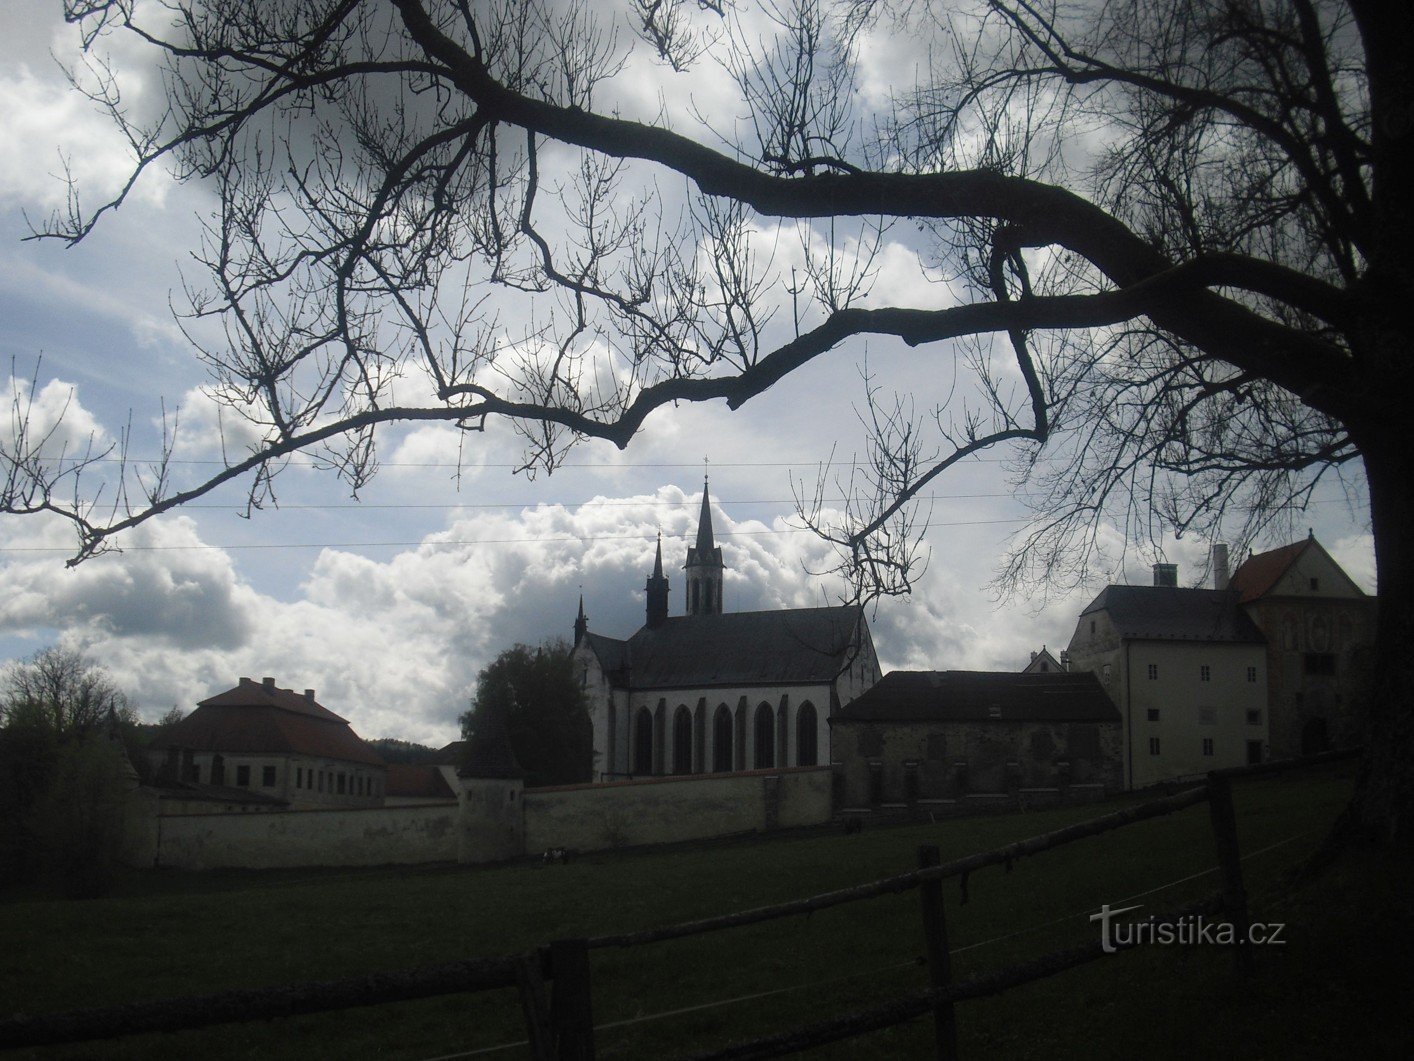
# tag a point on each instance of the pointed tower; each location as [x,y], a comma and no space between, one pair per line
[704,566]
[581,622]
[657,590]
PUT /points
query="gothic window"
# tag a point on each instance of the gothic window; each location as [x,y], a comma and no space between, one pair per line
[765,737]
[643,742]
[682,740]
[806,736]
[722,740]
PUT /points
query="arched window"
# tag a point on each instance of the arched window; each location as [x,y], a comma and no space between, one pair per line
[765,737]
[805,736]
[682,741]
[722,740]
[643,741]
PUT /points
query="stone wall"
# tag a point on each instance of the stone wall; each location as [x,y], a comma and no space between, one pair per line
[903,762]
[288,839]
[494,821]
[666,809]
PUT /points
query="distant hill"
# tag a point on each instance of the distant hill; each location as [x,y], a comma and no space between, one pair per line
[394,750]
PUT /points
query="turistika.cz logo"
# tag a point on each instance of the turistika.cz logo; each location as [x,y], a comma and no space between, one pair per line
[1189,930]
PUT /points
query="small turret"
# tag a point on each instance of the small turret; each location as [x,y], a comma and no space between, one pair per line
[657,590]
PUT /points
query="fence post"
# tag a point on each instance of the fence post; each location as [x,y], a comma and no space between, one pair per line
[571,1014]
[530,981]
[935,942]
[1224,819]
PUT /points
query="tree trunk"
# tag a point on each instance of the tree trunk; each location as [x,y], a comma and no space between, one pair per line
[1384,798]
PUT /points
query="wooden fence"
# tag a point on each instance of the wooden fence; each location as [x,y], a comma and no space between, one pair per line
[554,980]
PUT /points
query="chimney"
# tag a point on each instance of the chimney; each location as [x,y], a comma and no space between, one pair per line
[1221,575]
[269,684]
[309,695]
[1166,575]
[1065,660]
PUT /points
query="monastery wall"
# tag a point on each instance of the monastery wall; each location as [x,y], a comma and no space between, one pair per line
[494,821]
[666,809]
[289,839]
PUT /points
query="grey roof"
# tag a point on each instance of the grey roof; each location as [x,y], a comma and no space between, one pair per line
[1166,613]
[795,646]
[971,696]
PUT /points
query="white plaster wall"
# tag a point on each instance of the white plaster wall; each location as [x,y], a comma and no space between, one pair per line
[663,810]
[288,839]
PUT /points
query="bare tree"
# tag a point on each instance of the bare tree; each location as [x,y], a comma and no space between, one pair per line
[1172,240]
[59,691]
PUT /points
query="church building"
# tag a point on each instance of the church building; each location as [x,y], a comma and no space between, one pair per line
[712,691]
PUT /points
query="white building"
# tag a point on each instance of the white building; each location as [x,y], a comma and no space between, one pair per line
[1187,669]
[713,691]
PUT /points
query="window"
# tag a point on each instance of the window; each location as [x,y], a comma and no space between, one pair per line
[1254,716]
[722,740]
[643,741]
[267,777]
[343,780]
[682,740]
[299,777]
[321,780]
[1092,626]
[1153,672]
[1208,716]
[243,777]
[1207,745]
[1315,585]
[765,737]
[1153,745]
[994,710]
[806,736]
[1153,714]
[1252,674]
[1205,673]
[1320,663]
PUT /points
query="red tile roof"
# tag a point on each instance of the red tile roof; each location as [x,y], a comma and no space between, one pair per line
[258,718]
[415,781]
[1261,571]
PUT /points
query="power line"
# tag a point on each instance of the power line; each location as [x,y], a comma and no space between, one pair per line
[354,506]
[558,540]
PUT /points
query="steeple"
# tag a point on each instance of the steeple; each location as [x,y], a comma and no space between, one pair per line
[581,622]
[657,589]
[704,565]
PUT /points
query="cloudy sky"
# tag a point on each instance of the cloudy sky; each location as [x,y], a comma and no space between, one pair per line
[389,605]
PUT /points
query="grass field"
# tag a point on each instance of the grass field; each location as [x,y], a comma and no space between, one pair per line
[1335,989]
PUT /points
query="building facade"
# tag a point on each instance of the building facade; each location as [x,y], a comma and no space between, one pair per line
[713,691]
[1320,634]
[959,736]
[1187,669]
[284,747]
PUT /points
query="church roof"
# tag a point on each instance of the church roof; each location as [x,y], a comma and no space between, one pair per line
[1170,613]
[970,696]
[796,646]
[256,717]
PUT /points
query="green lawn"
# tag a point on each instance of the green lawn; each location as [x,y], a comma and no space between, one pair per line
[169,934]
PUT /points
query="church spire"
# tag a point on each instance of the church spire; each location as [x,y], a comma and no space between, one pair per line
[704,565]
[657,589]
[705,543]
[581,622]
